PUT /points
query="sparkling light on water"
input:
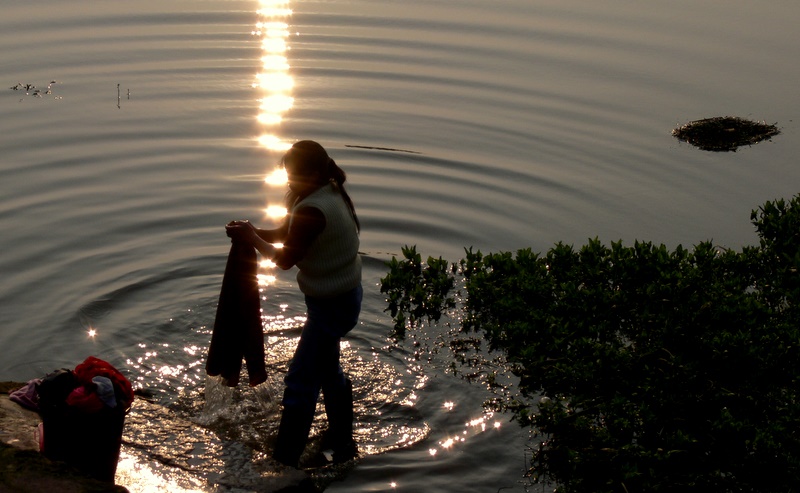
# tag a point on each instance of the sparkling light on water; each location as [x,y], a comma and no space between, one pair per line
[276,211]
[146,477]
[266,279]
[274,79]
[472,427]
[277,177]
[273,142]
[274,8]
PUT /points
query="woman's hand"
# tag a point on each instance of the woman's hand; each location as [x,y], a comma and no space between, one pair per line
[245,232]
[241,230]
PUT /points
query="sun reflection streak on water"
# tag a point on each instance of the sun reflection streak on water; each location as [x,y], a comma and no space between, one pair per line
[266,279]
[278,177]
[276,211]
[276,84]
[274,79]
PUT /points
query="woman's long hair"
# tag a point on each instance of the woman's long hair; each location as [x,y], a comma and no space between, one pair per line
[306,157]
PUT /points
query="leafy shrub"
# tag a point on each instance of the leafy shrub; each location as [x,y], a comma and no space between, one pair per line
[646,369]
[420,292]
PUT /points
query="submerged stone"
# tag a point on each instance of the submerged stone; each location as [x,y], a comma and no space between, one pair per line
[724,133]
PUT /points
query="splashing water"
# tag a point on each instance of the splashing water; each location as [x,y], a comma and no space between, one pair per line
[218,398]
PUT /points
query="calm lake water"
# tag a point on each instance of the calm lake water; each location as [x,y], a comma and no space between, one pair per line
[498,125]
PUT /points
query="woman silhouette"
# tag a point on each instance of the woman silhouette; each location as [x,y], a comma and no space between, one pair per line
[320,237]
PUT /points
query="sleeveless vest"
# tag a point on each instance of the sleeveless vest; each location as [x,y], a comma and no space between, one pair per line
[331,265]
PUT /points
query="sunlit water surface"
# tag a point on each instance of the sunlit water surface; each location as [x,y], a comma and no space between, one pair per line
[497,125]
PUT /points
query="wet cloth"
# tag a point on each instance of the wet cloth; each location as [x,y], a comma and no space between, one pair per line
[105,391]
[94,367]
[238,331]
[85,400]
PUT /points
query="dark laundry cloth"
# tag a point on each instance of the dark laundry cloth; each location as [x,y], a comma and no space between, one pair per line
[55,387]
[237,327]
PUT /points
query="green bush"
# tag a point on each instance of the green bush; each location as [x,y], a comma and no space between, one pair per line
[645,368]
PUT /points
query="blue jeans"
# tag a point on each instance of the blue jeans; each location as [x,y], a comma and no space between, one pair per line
[315,365]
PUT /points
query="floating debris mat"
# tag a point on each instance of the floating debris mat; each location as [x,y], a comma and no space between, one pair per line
[724,133]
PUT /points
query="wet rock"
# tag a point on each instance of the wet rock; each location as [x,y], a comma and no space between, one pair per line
[27,471]
[18,426]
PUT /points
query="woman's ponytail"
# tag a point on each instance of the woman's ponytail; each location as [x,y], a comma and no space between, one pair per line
[338,176]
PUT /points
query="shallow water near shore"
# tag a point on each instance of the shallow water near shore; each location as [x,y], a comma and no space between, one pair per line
[497,125]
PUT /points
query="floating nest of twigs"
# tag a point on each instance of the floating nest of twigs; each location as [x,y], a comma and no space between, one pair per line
[724,133]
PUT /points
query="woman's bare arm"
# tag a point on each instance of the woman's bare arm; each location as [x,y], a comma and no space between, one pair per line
[277,235]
